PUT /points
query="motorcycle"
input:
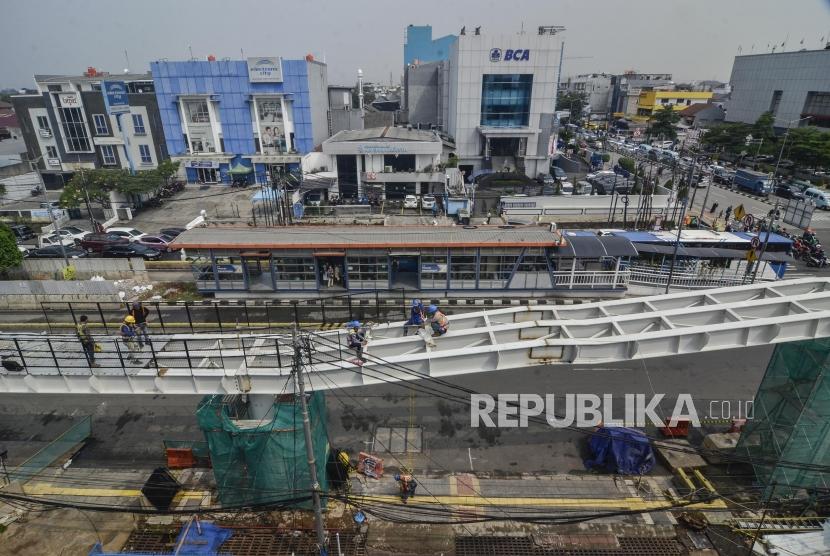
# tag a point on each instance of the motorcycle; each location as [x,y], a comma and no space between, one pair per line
[37,190]
[817,260]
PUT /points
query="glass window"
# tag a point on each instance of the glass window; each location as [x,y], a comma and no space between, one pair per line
[434,269]
[495,267]
[229,273]
[74,130]
[146,157]
[463,268]
[43,122]
[101,127]
[775,102]
[197,111]
[368,270]
[505,99]
[295,273]
[138,125]
[203,273]
[108,155]
[532,271]
[51,152]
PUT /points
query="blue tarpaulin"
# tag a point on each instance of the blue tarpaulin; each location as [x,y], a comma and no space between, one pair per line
[620,450]
[202,540]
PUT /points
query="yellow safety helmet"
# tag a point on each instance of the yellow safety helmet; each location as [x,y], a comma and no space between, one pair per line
[129,319]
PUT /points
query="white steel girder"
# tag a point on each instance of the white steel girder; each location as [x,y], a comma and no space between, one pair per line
[499,339]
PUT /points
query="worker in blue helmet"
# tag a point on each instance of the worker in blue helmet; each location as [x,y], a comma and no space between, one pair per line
[438,321]
[356,339]
[417,316]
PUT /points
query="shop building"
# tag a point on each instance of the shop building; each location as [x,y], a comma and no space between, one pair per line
[67,124]
[385,162]
[651,102]
[250,120]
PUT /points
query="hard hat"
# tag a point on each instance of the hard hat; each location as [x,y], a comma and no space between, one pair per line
[432,309]
[416,302]
[353,324]
[397,477]
[129,319]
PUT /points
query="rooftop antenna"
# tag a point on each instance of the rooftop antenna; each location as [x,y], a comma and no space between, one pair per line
[190,48]
[242,52]
[127,59]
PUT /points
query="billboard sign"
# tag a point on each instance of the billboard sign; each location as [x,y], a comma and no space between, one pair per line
[115,97]
[69,100]
[265,70]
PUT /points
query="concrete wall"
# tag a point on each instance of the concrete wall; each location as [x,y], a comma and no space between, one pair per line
[30,294]
[756,77]
[423,93]
[111,269]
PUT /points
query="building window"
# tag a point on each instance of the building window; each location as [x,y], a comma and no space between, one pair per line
[505,99]
[54,88]
[434,269]
[51,152]
[43,123]
[144,150]
[367,270]
[108,155]
[197,111]
[496,266]
[197,146]
[138,125]
[295,273]
[775,102]
[817,106]
[100,122]
[74,130]
[463,268]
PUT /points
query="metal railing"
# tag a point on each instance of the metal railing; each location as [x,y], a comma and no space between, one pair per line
[641,275]
[590,279]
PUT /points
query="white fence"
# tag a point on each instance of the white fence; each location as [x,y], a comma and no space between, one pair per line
[590,279]
[542,207]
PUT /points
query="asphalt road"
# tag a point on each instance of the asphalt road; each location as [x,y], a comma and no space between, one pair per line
[128,430]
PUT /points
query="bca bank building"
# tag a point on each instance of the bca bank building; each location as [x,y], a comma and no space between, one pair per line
[501,100]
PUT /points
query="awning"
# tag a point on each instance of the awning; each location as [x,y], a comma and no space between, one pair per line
[593,247]
[777,257]
[659,248]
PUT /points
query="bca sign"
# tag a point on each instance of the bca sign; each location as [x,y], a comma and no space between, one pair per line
[509,55]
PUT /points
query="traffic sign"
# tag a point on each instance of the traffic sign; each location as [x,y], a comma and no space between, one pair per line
[749,220]
[755,242]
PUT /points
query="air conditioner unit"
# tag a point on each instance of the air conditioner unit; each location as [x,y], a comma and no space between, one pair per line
[211,149]
[45,132]
[387,169]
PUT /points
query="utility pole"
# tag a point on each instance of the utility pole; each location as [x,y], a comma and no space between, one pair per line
[676,244]
[773,216]
[297,370]
[49,209]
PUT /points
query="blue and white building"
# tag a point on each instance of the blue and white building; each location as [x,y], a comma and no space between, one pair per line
[241,119]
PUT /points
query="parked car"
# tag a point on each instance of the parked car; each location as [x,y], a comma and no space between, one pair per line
[55,239]
[314,198]
[22,232]
[131,234]
[172,232]
[566,188]
[559,173]
[159,242]
[427,202]
[545,179]
[820,198]
[50,204]
[55,252]
[74,232]
[132,250]
[95,243]
[410,202]
[789,192]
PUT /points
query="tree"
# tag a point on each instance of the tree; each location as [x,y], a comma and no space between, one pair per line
[10,255]
[627,164]
[98,183]
[809,147]
[662,124]
[763,129]
[574,101]
[729,138]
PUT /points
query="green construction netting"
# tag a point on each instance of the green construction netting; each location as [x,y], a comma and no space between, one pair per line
[791,419]
[263,461]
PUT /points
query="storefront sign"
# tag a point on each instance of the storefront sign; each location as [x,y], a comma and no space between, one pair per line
[509,55]
[69,100]
[201,164]
[432,268]
[381,149]
[265,70]
[115,97]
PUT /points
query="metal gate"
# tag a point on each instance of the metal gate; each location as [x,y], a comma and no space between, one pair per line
[797,213]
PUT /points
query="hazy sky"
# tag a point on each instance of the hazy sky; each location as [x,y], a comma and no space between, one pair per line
[693,39]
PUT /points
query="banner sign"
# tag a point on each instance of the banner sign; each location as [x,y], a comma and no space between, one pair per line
[265,70]
[115,97]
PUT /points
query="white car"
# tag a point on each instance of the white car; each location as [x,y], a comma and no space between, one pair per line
[130,233]
[410,202]
[73,232]
[427,202]
[55,239]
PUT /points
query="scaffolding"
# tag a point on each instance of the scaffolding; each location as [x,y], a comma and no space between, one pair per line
[791,421]
[263,461]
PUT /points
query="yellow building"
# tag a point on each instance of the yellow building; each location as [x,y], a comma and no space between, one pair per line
[651,102]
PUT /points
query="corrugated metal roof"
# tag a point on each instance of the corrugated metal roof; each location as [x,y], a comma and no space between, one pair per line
[342,237]
[47,78]
[384,134]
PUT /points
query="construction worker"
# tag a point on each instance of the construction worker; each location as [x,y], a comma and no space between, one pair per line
[128,335]
[356,339]
[416,316]
[87,342]
[406,486]
[438,321]
[140,313]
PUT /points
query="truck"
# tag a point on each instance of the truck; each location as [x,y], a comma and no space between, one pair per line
[754,182]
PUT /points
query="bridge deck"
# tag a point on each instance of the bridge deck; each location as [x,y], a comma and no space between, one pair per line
[500,339]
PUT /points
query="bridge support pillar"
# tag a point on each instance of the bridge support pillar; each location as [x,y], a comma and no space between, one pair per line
[260,406]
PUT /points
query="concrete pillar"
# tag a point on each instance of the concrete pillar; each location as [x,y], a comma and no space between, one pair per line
[260,405]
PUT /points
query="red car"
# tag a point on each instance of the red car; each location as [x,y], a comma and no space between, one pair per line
[160,242]
[95,243]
